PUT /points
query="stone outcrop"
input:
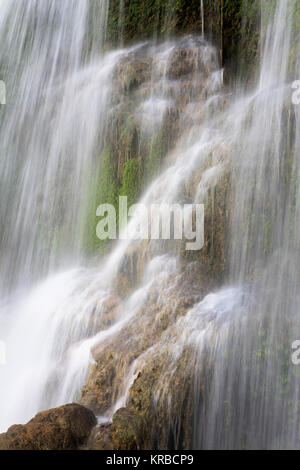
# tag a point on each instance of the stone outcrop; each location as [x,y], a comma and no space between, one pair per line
[64,428]
[143,364]
[124,433]
[145,357]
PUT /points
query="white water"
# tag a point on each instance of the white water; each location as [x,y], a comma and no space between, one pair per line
[51,310]
[51,134]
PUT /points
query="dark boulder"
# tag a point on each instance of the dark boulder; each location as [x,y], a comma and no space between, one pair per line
[65,428]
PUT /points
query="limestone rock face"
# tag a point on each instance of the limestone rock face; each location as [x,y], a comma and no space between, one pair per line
[145,367]
[125,433]
[64,428]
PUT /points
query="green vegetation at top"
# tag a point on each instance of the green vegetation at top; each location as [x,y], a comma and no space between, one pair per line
[233,25]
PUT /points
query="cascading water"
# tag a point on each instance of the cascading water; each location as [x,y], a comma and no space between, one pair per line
[253,368]
[48,153]
[245,389]
[63,88]
[50,144]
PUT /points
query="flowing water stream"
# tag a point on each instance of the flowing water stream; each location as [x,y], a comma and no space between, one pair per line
[52,295]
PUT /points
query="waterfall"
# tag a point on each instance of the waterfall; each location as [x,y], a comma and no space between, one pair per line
[47,57]
[61,311]
[50,133]
[53,136]
[254,387]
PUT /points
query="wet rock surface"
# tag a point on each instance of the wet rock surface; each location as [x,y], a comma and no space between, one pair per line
[64,428]
[124,433]
[144,370]
[142,379]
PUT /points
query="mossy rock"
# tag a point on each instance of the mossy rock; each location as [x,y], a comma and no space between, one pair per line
[64,428]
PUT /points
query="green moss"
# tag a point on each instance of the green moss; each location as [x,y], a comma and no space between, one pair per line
[160,18]
[294,52]
[108,187]
[141,19]
[126,430]
[101,188]
[131,181]
[152,163]
[104,187]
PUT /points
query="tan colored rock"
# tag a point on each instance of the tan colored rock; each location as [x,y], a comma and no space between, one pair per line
[64,428]
[100,438]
